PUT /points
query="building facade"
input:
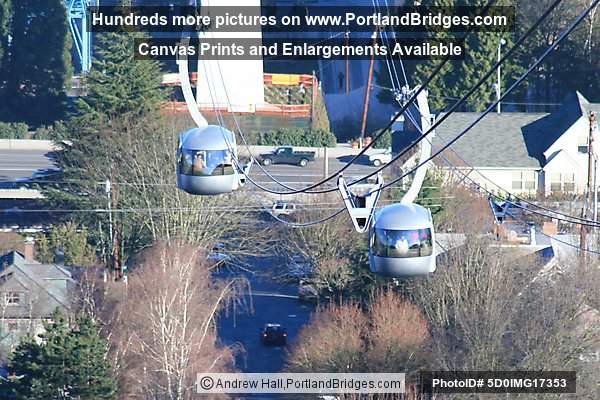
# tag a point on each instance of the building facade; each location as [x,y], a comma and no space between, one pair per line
[29,293]
[535,154]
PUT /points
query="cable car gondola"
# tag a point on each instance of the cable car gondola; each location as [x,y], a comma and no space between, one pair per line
[402,241]
[401,236]
[207,161]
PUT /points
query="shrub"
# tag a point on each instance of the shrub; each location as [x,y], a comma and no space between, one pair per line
[383,142]
[51,132]
[297,137]
[13,130]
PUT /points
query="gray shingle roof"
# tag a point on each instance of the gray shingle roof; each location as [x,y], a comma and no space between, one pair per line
[511,140]
[47,286]
[495,142]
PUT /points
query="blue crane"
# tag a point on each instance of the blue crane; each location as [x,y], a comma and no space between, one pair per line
[82,38]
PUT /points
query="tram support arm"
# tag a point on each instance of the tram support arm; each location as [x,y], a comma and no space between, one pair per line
[245,172]
[362,203]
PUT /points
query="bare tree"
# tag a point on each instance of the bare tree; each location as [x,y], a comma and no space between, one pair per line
[487,310]
[397,336]
[138,157]
[164,330]
[389,336]
[469,304]
[322,348]
[334,238]
[332,275]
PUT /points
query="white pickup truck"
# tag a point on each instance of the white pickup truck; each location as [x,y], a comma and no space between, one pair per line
[381,157]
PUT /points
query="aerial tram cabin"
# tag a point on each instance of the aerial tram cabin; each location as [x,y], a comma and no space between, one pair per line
[402,241]
[207,161]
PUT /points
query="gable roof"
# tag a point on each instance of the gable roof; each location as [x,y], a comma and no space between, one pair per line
[512,140]
[541,134]
[47,285]
[495,142]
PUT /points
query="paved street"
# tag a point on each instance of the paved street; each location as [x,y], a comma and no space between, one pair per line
[267,306]
[22,164]
[294,175]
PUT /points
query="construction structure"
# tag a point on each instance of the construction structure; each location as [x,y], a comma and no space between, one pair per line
[81,37]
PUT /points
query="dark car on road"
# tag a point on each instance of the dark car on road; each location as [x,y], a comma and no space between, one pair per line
[287,155]
[273,334]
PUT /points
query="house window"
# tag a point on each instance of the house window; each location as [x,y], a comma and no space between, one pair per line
[523,180]
[13,326]
[569,182]
[555,182]
[582,144]
[517,180]
[12,298]
[529,180]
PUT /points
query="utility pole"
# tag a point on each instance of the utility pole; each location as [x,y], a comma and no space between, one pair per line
[593,155]
[368,90]
[347,35]
[591,198]
[590,186]
[107,190]
[499,77]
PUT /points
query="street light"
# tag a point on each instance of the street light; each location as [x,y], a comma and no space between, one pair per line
[498,87]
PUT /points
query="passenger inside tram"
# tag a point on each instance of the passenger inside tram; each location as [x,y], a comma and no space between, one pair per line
[402,243]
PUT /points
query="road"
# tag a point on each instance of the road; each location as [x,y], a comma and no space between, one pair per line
[270,302]
[297,176]
[23,164]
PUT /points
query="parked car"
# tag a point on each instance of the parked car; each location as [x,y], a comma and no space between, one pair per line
[381,157]
[287,155]
[283,208]
[273,334]
[307,291]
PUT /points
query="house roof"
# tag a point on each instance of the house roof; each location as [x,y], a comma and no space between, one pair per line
[511,140]
[495,142]
[47,285]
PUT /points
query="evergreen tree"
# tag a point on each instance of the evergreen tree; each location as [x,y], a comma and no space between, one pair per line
[68,363]
[118,84]
[91,376]
[5,9]
[39,65]
[70,239]
[457,77]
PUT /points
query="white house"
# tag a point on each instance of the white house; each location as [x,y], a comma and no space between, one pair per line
[524,153]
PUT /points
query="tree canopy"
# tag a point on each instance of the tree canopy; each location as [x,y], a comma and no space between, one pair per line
[68,362]
[37,62]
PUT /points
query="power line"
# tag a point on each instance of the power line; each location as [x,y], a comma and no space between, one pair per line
[563,35]
[388,126]
[578,220]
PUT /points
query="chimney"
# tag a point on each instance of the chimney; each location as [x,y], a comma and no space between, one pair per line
[29,249]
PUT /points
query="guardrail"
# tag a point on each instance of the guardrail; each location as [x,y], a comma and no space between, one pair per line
[28,144]
[20,194]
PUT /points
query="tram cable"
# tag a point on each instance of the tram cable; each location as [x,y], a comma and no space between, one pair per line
[465,176]
[482,81]
[546,53]
[388,126]
[395,89]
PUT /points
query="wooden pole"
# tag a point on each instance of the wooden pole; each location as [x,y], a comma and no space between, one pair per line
[347,65]
[590,188]
[368,91]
